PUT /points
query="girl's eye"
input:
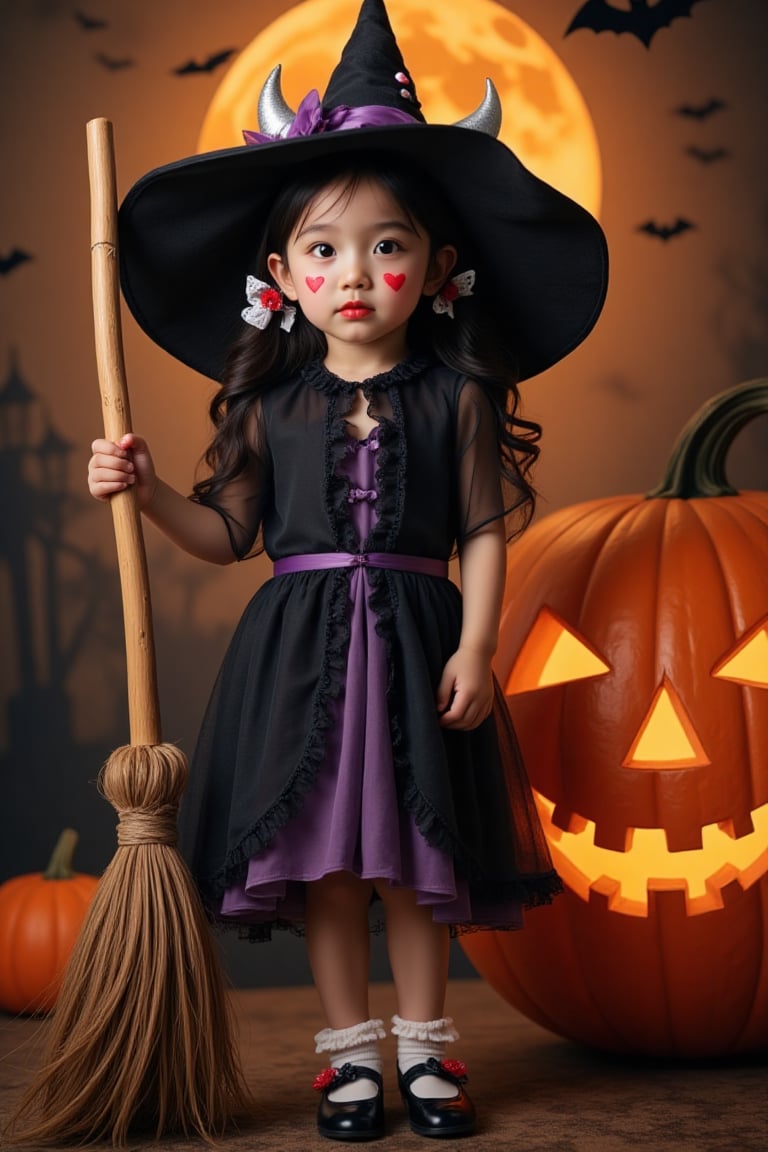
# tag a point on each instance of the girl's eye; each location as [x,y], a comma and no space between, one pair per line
[322,250]
[387,247]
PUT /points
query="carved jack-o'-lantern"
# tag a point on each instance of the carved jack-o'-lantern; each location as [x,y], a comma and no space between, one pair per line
[634,653]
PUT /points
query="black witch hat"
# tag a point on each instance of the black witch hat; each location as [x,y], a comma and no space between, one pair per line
[184,227]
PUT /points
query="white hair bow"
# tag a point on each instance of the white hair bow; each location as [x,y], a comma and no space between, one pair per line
[264,301]
[460,285]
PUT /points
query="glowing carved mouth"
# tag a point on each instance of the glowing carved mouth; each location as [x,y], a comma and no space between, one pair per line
[625,878]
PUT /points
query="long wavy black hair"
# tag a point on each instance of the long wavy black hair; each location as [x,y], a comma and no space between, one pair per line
[476,342]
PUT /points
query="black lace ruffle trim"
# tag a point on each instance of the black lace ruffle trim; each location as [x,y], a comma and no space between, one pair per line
[329,687]
[391,466]
[262,933]
[336,484]
[319,377]
[530,889]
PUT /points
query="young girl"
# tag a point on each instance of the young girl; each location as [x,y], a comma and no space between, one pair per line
[356,758]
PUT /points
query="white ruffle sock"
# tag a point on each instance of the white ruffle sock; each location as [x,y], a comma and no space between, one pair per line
[417,1041]
[355,1045]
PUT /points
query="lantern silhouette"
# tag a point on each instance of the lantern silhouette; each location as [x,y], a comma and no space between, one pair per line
[634,655]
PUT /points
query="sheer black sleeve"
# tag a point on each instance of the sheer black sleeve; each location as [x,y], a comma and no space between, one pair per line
[480,494]
[495,449]
[241,502]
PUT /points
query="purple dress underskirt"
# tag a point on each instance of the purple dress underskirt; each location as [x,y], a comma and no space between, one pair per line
[351,821]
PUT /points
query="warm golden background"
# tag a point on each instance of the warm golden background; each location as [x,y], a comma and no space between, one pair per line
[684,318]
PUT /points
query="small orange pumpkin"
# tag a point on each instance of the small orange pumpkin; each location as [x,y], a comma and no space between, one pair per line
[634,655]
[40,916]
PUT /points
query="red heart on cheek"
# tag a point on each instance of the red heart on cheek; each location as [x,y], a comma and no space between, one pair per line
[315,282]
[395,280]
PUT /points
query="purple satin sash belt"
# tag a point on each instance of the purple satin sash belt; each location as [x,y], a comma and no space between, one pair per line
[312,561]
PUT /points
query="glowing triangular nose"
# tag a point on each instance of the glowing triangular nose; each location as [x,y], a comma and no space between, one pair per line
[667,738]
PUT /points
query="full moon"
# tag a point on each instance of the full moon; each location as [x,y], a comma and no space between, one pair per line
[449,48]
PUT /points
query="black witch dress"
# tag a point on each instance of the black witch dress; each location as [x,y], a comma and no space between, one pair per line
[321,746]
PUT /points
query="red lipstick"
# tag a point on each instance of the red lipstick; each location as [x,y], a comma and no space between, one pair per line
[355,310]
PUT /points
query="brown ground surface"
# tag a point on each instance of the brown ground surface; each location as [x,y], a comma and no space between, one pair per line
[534,1091]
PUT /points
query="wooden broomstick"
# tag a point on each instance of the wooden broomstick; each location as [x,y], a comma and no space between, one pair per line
[141,1033]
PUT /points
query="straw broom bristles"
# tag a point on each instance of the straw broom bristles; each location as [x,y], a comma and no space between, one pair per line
[137,1035]
[141,1032]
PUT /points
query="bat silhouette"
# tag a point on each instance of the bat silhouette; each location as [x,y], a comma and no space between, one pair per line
[13,259]
[701,111]
[643,20]
[666,231]
[207,65]
[89,23]
[707,155]
[112,64]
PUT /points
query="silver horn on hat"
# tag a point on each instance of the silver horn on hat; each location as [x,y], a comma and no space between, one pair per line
[276,115]
[487,117]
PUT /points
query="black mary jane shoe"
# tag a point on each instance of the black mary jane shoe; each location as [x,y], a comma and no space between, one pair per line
[350,1119]
[452,1116]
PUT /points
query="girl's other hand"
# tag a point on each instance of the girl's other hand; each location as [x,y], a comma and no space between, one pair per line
[113,467]
[465,692]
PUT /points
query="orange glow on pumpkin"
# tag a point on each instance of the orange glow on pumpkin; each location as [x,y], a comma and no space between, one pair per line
[748,664]
[646,865]
[552,653]
[667,738]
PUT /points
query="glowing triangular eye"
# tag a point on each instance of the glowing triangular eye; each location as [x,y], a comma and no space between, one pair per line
[552,653]
[748,664]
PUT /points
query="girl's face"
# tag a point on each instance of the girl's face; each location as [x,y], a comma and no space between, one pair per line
[358,265]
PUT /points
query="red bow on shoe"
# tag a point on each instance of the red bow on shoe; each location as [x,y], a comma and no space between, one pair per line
[324,1079]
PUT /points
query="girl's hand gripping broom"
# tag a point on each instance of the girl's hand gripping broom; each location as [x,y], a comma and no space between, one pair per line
[141,1031]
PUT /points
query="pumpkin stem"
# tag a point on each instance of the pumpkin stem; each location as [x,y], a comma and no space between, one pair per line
[696,466]
[60,863]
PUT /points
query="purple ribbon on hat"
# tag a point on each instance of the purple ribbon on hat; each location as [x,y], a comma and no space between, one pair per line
[310,120]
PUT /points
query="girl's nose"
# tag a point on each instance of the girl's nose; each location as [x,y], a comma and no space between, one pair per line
[355,275]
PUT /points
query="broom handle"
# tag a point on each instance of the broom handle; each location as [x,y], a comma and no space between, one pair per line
[143,703]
